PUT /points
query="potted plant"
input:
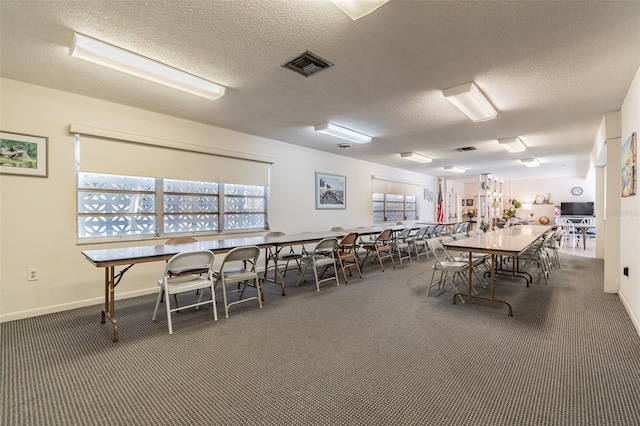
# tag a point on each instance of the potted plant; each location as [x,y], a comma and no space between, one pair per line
[509,214]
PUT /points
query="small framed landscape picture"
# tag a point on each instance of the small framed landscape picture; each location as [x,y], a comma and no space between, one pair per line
[628,172]
[331,191]
[23,154]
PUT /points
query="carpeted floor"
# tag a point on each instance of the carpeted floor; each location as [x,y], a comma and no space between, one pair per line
[377,351]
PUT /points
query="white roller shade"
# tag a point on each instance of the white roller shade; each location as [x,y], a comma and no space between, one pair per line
[188,162]
[382,185]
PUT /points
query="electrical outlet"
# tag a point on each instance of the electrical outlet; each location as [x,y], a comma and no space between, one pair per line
[33,274]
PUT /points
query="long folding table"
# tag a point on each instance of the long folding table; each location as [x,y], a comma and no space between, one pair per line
[127,257]
[512,241]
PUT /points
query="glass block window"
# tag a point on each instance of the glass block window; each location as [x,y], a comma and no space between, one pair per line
[393,208]
[245,207]
[112,207]
[189,206]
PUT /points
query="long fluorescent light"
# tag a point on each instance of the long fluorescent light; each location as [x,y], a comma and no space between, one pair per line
[530,162]
[118,59]
[414,156]
[512,144]
[342,133]
[454,169]
[358,8]
[470,100]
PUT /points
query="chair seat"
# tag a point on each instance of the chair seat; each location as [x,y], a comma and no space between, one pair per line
[237,274]
[320,260]
[183,284]
[453,265]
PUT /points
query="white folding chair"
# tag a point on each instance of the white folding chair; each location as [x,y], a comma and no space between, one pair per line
[448,268]
[320,260]
[239,267]
[400,244]
[185,272]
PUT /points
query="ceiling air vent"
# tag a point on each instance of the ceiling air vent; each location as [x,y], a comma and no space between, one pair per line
[467,148]
[307,64]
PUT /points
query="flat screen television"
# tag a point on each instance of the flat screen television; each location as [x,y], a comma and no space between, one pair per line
[577,209]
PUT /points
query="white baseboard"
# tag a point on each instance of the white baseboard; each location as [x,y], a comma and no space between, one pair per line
[634,320]
[73,305]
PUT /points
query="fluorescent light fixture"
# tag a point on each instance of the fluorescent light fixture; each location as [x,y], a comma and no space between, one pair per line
[512,144]
[342,133]
[414,156]
[530,162]
[118,59]
[454,169]
[470,100]
[358,8]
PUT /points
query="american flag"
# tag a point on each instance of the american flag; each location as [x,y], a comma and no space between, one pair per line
[440,213]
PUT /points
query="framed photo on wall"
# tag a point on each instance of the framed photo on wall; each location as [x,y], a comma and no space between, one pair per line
[628,171]
[24,155]
[331,191]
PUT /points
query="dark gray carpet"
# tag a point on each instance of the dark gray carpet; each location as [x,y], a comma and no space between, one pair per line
[377,351]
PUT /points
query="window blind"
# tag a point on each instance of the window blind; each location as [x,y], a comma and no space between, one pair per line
[381,185]
[168,159]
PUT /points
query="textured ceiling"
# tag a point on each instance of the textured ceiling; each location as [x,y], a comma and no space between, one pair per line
[552,69]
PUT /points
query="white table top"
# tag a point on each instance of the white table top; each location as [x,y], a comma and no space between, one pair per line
[508,241]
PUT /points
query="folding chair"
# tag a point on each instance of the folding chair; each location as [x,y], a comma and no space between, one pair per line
[185,272]
[347,255]
[239,267]
[323,258]
[379,248]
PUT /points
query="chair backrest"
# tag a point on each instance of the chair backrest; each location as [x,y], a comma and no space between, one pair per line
[589,221]
[435,246]
[337,229]
[421,233]
[430,230]
[404,234]
[438,230]
[479,231]
[459,236]
[384,236]
[181,240]
[446,239]
[326,245]
[349,240]
[195,260]
[248,253]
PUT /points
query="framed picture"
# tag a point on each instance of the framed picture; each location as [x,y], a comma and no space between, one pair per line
[331,191]
[470,202]
[23,154]
[628,161]
[428,195]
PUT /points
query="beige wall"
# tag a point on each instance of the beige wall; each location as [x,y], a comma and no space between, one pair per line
[38,215]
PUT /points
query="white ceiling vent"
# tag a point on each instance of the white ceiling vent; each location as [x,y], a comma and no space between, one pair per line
[307,64]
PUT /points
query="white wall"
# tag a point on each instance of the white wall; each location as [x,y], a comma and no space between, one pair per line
[38,215]
[629,212]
